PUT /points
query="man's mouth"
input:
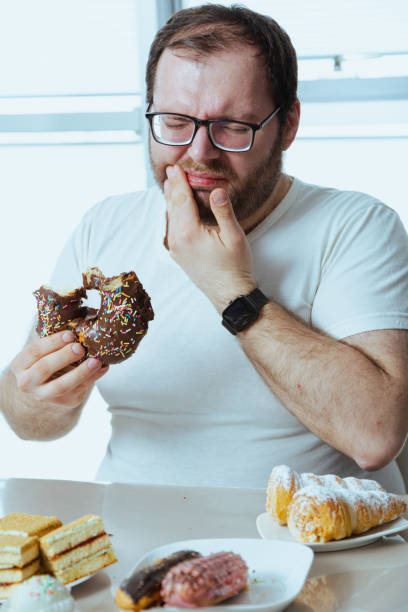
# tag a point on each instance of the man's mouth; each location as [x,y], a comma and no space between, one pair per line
[204,180]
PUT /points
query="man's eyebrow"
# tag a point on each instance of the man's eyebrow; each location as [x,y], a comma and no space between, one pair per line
[248,117]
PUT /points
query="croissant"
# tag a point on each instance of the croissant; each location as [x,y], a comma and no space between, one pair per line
[319,514]
[284,482]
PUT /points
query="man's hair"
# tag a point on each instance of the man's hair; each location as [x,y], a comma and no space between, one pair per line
[212,28]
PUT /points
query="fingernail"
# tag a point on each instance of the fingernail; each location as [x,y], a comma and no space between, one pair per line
[78,349]
[169,171]
[93,363]
[219,198]
[68,336]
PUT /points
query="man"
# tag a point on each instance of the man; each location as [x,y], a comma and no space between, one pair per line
[313,373]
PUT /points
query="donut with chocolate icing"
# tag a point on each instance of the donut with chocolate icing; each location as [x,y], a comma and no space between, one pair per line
[111,333]
[56,310]
[142,588]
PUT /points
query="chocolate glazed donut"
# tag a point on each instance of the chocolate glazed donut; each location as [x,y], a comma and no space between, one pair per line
[141,589]
[113,332]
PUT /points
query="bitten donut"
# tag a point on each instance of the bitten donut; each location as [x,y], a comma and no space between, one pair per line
[112,332]
[142,589]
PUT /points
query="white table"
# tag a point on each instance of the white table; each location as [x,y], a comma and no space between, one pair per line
[373,578]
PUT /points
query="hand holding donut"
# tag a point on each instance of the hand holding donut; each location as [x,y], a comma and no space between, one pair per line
[78,343]
[45,370]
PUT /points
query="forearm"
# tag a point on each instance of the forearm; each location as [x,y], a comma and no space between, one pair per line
[32,419]
[353,395]
[334,389]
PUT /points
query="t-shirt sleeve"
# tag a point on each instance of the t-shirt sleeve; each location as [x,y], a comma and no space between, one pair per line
[364,278]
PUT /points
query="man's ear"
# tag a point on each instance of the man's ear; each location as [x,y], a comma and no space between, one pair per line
[291,126]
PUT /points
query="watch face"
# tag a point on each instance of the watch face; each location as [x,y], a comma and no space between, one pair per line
[240,314]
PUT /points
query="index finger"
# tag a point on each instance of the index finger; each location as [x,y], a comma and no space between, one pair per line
[39,347]
[179,196]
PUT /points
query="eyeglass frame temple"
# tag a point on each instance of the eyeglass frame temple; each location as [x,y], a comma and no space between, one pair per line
[268,118]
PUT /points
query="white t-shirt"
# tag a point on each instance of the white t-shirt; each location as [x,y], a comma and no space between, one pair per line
[189,408]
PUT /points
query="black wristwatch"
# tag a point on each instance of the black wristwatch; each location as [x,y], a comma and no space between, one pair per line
[243,311]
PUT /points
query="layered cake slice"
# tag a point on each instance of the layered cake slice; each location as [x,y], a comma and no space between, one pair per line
[19,559]
[77,549]
[21,524]
[19,547]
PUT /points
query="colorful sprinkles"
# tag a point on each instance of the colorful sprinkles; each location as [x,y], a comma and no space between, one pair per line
[119,315]
[111,333]
[45,586]
[55,310]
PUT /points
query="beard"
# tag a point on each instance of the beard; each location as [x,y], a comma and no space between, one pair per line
[246,195]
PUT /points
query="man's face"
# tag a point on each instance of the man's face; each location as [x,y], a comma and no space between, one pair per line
[225,85]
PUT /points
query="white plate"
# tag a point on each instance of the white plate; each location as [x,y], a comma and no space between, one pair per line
[277,570]
[269,530]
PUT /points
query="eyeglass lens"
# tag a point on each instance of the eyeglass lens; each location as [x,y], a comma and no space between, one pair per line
[173,129]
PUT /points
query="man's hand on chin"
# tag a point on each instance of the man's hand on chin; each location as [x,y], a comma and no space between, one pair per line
[217,259]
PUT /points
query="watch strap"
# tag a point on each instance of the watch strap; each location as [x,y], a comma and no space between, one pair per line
[256,299]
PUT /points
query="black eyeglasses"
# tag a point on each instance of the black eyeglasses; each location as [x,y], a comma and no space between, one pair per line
[179,130]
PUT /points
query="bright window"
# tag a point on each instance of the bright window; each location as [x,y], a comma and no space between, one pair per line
[70,135]
[353,87]
[68,46]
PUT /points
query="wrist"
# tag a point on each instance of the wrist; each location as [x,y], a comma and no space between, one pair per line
[228,295]
[242,312]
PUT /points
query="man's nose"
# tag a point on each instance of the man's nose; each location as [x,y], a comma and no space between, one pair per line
[202,149]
